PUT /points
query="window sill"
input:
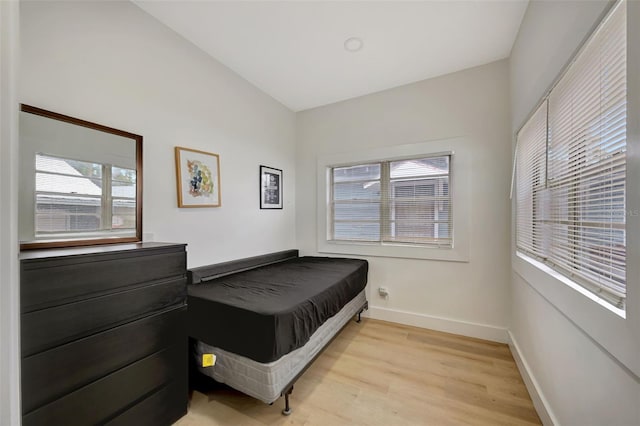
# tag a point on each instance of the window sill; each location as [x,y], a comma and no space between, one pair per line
[393,250]
[603,323]
[568,282]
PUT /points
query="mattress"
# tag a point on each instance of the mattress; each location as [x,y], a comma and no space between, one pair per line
[266,381]
[269,311]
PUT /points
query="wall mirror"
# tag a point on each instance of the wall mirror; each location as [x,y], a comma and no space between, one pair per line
[80,183]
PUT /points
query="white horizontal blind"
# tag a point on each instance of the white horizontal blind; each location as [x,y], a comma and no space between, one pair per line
[587,161]
[531,176]
[418,202]
[401,202]
[78,197]
[123,198]
[68,195]
[576,222]
[356,202]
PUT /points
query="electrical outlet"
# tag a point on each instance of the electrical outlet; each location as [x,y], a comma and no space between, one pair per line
[383,292]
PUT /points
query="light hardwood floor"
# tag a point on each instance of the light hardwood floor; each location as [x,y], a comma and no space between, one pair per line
[380,373]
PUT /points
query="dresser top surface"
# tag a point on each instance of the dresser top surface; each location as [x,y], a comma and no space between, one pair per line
[93,250]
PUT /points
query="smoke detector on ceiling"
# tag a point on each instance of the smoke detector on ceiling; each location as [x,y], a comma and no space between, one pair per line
[353,44]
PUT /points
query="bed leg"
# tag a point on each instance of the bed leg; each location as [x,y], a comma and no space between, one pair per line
[365,307]
[287,408]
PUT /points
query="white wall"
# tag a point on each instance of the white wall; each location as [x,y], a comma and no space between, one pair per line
[469,298]
[9,287]
[111,63]
[577,380]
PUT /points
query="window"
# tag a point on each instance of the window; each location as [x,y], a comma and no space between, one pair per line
[75,197]
[531,178]
[571,168]
[394,202]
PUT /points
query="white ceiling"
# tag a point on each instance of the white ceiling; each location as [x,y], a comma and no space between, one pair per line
[293,50]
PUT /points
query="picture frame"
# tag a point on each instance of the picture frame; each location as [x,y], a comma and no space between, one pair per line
[197,178]
[270,188]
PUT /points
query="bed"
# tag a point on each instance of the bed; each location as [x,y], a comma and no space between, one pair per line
[266,318]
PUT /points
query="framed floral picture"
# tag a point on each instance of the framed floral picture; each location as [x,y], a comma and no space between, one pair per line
[270,188]
[198,178]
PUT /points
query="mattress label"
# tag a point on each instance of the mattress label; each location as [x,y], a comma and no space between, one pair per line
[208,360]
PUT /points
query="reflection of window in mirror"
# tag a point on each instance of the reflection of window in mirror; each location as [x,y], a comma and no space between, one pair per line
[78,196]
[80,183]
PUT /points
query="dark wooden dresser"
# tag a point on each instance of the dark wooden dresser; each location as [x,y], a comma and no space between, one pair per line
[103,334]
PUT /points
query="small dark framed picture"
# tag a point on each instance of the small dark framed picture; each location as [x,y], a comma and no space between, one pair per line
[270,188]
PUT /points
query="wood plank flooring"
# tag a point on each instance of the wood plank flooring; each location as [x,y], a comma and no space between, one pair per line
[380,373]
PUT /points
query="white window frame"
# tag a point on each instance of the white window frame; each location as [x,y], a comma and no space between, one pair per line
[387,186]
[615,331]
[459,187]
[106,211]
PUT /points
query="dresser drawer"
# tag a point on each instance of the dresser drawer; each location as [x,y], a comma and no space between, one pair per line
[111,395]
[48,375]
[163,407]
[54,281]
[50,327]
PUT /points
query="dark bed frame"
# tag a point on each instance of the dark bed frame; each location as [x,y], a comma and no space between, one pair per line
[210,272]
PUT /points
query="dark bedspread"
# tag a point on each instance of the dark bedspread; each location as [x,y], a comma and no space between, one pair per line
[267,312]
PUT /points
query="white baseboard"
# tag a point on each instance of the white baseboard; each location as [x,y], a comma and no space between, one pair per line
[448,325]
[539,401]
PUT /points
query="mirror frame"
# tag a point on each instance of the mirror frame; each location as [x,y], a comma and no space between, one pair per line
[99,127]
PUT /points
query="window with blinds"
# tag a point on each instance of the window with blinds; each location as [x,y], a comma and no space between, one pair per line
[400,202]
[531,179]
[571,167]
[75,196]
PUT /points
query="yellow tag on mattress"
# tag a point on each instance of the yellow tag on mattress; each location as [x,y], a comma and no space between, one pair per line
[208,360]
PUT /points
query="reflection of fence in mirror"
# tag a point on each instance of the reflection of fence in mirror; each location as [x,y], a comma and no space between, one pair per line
[80,182]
